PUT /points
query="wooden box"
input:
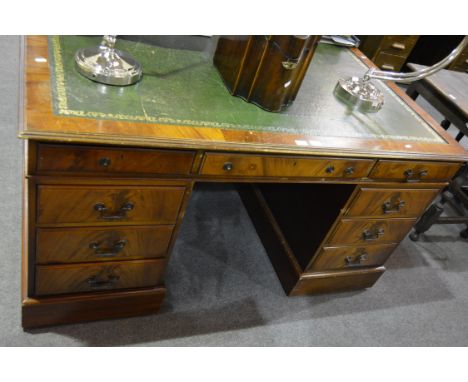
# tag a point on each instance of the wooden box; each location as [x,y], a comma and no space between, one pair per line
[264,70]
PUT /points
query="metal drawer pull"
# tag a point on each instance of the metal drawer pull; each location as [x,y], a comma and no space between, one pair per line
[227,166]
[104,162]
[388,67]
[399,46]
[389,209]
[120,214]
[94,282]
[108,252]
[373,234]
[357,260]
[412,177]
[349,171]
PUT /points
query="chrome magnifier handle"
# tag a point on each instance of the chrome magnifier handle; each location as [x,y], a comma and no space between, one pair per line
[407,78]
[362,94]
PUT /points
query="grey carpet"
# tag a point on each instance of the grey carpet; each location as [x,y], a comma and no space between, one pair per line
[223,290]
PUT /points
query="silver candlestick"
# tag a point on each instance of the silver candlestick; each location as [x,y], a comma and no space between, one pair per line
[108,65]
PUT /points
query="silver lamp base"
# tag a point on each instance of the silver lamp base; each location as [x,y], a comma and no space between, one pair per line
[359,94]
[107,65]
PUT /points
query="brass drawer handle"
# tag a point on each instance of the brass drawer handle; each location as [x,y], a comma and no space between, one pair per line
[373,234]
[357,260]
[349,171]
[104,162]
[120,214]
[399,46]
[412,177]
[389,209]
[227,166]
[388,67]
[95,283]
[108,252]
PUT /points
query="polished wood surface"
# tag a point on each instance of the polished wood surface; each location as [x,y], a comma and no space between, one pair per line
[265,70]
[112,161]
[381,202]
[336,282]
[335,258]
[75,245]
[353,231]
[68,309]
[40,123]
[73,278]
[414,171]
[275,166]
[77,205]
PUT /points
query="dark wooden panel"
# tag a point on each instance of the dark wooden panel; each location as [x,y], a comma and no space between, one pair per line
[305,213]
[77,205]
[398,45]
[74,245]
[414,171]
[333,258]
[337,281]
[38,312]
[391,202]
[388,61]
[225,164]
[366,231]
[112,161]
[281,257]
[93,277]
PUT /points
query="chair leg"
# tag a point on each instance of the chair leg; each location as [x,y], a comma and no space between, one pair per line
[459,136]
[427,220]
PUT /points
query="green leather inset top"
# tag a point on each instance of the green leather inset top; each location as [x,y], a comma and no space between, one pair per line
[183,87]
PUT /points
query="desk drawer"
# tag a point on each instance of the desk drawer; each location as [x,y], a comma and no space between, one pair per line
[370,231]
[391,202]
[391,62]
[70,205]
[398,45]
[277,166]
[337,281]
[332,258]
[414,171]
[103,160]
[75,245]
[58,279]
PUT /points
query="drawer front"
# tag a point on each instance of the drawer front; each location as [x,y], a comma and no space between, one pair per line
[391,202]
[337,281]
[414,171]
[108,205]
[370,231]
[387,61]
[75,278]
[77,159]
[331,258]
[269,166]
[398,45]
[75,245]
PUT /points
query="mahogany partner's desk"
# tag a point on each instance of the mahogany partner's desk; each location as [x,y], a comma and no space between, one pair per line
[109,172]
